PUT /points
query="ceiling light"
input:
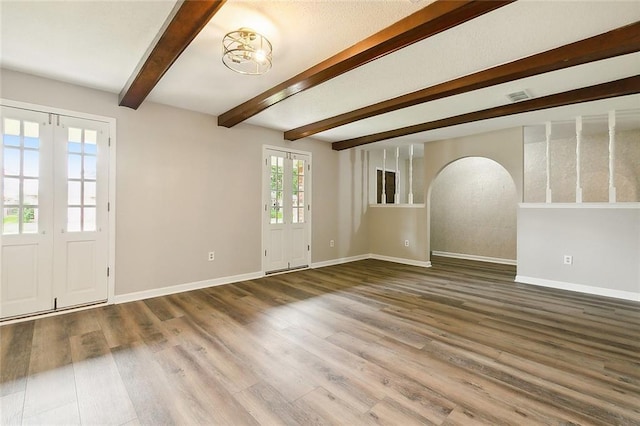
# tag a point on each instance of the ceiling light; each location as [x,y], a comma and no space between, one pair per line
[246,52]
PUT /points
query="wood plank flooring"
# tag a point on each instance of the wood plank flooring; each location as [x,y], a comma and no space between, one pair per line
[370,342]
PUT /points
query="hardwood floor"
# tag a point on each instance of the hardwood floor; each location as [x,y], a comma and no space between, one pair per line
[369,342]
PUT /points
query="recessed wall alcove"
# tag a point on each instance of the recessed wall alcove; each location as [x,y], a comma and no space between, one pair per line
[473,211]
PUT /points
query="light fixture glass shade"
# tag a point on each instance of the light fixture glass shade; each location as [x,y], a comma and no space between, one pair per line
[246,52]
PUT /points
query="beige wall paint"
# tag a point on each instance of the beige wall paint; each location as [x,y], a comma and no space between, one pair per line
[473,209]
[594,168]
[186,186]
[504,147]
[390,226]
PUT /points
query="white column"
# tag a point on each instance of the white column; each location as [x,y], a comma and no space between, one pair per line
[383,199]
[612,156]
[396,196]
[578,155]
[548,159]
[410,195]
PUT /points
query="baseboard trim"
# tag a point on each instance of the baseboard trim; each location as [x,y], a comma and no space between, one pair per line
[580,288]
[411,262]
[165,291]
[339,261]
[475,257]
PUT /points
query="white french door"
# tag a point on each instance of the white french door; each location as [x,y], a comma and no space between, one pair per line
[54,246]
[287,210]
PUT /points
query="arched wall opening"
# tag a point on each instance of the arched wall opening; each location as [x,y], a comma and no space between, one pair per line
[473,211]
[505,147]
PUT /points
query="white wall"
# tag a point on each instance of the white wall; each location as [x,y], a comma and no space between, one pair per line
[604,241]
[186,186]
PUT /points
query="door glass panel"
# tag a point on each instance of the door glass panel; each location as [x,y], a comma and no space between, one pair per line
[276,186]
[74,166]
[89,193]
[11,191]
[31,163]
[74,193]
[21,169]
[89,167]
[90,142]
[81,179]
[89,219]
[74,222]
[297,191]
[31,135]
[75,135]
[10,221]
[30,220]
[11,161]
[30,192]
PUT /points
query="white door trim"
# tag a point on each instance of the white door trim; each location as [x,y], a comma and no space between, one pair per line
[112,176]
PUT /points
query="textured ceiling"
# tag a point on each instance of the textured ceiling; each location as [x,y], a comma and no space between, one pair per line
[99,44]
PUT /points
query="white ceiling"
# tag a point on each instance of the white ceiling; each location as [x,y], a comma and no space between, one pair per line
[99,44]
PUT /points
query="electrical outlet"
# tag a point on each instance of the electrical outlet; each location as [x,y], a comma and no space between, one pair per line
[406,243]
[212,256]
[332,243]
[568,260]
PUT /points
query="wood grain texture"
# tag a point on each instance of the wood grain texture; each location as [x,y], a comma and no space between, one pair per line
[187,22]
[434,18]
[612,89]
[620,41]
[364,343]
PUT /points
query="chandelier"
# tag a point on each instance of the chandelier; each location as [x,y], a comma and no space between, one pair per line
[246,52]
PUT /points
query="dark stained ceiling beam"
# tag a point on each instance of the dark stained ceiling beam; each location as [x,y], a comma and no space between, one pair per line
[187,22]
[432,19]
[613,43]
[623,87]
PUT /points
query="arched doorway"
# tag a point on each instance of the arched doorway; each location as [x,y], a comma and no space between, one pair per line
[473,208]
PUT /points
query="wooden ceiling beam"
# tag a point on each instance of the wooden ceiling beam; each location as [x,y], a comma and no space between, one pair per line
[622,87]
[432,19]
[188,20]
[621,41]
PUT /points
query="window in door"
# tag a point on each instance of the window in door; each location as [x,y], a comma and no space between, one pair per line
[277,189]
[21,173]
[81,179]
[298,193]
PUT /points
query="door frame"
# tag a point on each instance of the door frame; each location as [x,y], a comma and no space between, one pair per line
[111,197]
[263,185]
